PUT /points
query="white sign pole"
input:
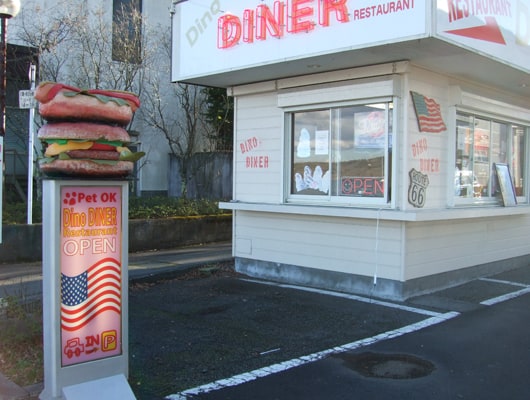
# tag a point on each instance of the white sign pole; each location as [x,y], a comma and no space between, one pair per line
[30,147]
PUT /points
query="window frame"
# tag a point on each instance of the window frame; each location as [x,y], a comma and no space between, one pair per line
[458,201]
[388,200]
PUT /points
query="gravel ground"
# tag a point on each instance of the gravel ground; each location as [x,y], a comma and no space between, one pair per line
[209,324]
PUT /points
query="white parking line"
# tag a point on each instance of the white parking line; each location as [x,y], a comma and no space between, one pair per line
[283,366]
[508,296]
[503,282]
[350,297]
[435,318]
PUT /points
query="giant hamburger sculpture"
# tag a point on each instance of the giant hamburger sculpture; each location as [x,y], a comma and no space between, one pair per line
[85,131]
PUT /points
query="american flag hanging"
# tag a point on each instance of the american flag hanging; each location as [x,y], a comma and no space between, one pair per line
[428,114]
[85,296]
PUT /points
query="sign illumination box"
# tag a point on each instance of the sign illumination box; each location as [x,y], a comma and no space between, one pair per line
[233,42]
[85,277]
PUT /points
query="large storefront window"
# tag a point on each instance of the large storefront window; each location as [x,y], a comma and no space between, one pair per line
[480,144]
[342,154]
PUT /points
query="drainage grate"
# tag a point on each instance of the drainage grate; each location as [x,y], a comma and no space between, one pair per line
[389,366]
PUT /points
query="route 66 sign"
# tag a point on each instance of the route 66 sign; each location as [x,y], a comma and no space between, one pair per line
[417,188]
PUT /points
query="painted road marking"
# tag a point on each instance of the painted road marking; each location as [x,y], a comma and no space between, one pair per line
[435,318]
[286,365]
[351,297]
[505,297]
[503,282]
[512,295]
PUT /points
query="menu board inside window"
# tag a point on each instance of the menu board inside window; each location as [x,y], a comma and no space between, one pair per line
[506,185]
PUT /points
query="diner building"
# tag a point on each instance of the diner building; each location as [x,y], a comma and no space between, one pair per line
[380,147]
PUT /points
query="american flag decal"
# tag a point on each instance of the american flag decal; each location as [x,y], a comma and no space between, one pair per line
[428,114]
[87,295]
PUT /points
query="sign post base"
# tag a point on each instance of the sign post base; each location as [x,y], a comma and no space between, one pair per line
[111,388]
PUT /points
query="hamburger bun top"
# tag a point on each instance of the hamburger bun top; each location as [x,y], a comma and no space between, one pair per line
[46,91]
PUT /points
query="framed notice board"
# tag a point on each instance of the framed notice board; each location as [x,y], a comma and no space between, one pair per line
[506,185]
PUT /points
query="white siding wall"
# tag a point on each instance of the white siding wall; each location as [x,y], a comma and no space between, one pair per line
[395,250]
[431,160]
[443,246]
[334,244]
[436,247]
[258,149]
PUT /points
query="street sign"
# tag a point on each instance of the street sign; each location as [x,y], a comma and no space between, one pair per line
[26,99]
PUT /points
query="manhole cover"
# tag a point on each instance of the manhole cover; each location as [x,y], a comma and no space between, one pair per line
[389,366]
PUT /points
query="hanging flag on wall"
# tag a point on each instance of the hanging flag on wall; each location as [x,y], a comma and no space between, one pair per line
[428,114]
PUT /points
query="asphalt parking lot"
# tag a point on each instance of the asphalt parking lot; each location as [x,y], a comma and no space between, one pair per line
[198,330]
[212,334]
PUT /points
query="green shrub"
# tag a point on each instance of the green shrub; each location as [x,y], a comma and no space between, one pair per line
[139,208]
[16,213]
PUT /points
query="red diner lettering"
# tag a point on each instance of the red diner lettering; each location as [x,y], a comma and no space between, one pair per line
[268,21]
[298,15]
[248,26]
[259,162]
[300,20]
[338,6]
[229,31]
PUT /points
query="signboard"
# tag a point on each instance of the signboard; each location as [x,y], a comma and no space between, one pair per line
[84,289]
[91,273]
[506,185]
[26,99]
[362,186]
[500,29]
[238,35]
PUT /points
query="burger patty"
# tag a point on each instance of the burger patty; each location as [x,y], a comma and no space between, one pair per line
[93,154]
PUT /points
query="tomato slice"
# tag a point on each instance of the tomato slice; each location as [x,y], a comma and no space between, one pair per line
[103,147]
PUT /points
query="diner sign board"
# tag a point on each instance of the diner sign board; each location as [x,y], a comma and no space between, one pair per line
[500,28]
[242,34]
[91,270]
[85,295]
[269,33]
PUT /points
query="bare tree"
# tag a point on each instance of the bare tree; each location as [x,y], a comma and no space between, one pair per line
[188,131]
[86,47]
[76,45]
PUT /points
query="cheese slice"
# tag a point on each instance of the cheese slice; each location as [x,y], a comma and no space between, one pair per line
[55,148]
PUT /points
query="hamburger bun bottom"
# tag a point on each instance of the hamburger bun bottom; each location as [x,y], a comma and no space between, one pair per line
[87,168]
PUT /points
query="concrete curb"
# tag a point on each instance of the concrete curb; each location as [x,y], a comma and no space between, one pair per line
[11,391]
